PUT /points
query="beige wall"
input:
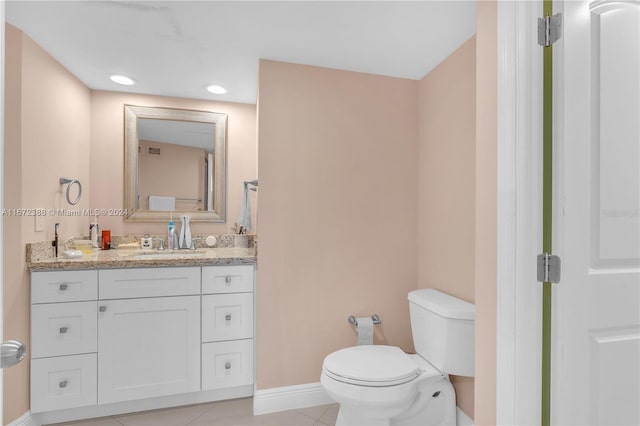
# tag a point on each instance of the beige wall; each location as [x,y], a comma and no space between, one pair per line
[486,211]
[46,137]
[338,211]
[107,154]
[446,227]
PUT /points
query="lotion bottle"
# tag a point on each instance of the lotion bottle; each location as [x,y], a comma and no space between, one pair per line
[94,233]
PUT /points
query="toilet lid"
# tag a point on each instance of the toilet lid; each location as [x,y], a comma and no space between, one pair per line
[372,365]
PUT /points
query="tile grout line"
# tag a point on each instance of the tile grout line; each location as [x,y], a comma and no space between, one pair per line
[194,420]
[116,420]
[312,418]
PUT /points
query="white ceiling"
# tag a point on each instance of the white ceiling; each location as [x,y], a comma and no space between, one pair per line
[176,48]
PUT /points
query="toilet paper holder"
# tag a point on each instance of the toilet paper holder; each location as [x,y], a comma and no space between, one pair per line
[375,318]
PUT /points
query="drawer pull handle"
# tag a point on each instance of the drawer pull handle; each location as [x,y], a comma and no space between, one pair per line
[63,330]
[227,280]
[227,366]
[63,287]
[63,384]
[227,317]
[102,309]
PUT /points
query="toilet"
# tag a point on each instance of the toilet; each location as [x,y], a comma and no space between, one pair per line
[382,385]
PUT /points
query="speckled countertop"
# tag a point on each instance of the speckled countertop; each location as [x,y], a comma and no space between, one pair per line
[226,252]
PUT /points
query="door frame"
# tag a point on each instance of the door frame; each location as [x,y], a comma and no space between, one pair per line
[519,214]
[2,19]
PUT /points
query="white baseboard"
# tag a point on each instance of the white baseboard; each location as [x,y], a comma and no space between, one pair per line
[274,400]
[24,420]
[462,419]
[137,405]
[308,395]
[289,398]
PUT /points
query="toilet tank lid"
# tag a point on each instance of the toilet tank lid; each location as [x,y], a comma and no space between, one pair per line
[443,304]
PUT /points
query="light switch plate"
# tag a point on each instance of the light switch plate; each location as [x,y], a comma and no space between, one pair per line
[39,223]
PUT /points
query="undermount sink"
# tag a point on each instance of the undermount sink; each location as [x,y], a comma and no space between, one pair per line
[167,254]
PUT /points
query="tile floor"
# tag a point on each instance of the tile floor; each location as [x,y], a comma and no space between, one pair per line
[236,412]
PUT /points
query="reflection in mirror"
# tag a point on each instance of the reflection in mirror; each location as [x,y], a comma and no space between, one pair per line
[173,165]
[174,162]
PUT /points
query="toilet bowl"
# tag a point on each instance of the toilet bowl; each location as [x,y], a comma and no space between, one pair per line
[382,385]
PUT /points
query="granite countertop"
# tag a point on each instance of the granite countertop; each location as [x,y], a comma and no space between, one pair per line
[40,258]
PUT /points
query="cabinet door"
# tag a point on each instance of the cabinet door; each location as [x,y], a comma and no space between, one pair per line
[227,317]
[227,279]
[63,382]
[148,347]
[227,364]
[63,329]
[63,286]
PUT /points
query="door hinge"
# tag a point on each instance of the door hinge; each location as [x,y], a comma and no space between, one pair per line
[548,268]
[549,29]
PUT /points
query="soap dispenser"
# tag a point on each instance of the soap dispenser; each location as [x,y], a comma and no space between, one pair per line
[185,232]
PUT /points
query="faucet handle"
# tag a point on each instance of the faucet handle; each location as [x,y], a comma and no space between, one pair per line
[193,242]
[160,243]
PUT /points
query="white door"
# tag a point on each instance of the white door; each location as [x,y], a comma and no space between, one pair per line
[596,335]
[148,347]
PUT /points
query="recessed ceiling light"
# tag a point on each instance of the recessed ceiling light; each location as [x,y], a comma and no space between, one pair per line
[122,79]
[216,90]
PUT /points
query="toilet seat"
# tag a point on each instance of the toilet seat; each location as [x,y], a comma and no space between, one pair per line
[371,366]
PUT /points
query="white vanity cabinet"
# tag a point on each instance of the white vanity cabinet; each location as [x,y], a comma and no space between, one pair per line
[162,336]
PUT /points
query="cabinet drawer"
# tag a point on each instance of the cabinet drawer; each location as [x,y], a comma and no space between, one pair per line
[227,364]
[63,329]
[63,286]
[227,279]
[63,382]
[227,317]
[148,282]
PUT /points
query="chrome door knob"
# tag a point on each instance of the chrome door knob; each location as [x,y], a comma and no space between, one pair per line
[12,352]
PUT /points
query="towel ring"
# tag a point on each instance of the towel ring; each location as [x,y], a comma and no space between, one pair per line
[70,183]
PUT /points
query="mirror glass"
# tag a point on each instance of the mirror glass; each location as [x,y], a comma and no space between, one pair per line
[174,162]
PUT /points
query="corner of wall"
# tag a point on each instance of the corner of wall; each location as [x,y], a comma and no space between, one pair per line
[447,192]
[486,212]
[35,84]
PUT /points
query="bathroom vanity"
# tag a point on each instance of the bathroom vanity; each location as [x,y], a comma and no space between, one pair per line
[130,332]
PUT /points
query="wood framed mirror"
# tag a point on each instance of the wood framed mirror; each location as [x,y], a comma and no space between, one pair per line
[175,163]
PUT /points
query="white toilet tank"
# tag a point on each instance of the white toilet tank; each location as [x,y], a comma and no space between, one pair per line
[443,330]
